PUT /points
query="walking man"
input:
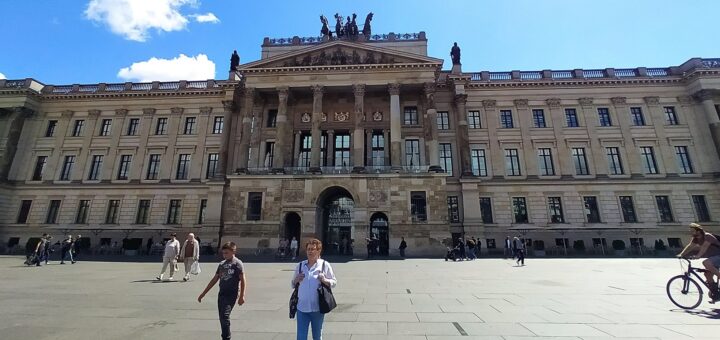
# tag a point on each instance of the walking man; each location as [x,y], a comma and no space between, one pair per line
[403,246]
[508,246]
[294,247]
[519,251]
[471,249]
[172,251]
[231,274]
[461,247]
[191,254]
[75,248]
[67,250]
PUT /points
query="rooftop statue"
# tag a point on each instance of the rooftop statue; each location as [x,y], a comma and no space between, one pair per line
[455,54]
[366,28]
[234,60]
[325,30]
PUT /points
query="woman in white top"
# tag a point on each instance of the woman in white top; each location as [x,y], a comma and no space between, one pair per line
[309,274]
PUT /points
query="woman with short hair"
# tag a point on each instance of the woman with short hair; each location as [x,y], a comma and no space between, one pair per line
[308,276]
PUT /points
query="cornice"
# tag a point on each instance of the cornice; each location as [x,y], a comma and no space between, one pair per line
[575,83]
[341,68]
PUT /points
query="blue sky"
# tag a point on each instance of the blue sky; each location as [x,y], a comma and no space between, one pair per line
[58,42]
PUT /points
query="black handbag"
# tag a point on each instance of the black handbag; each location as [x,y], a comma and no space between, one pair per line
[327,299]
[294,298]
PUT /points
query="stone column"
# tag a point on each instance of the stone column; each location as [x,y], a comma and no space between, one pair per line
[529,156]
[315,132]
[565,166]
[368,147]
[395,134]
[634,164]
[431,136]
[497,155]
[463,139]
[658,120]
[357,138]
[706,98]
[386,148]
[223,166]
[243,150]
[279,161]
[330,149]
[296,151]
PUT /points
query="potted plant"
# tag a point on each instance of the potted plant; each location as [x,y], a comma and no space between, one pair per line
[660,249]
[539,248]
[619,247]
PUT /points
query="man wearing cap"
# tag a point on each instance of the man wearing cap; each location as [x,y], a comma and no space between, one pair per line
[172,251]
[708,246]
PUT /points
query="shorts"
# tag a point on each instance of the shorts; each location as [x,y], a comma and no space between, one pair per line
[715,260]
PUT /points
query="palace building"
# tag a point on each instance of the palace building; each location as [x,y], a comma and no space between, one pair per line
[361,137]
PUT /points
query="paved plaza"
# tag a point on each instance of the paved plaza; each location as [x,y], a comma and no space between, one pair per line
[416,299]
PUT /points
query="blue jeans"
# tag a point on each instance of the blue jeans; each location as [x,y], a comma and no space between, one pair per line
[303,324]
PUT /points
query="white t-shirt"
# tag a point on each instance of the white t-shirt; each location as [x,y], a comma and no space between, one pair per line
[293,244]
[172,248]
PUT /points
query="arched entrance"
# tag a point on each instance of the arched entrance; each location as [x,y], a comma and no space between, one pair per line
[380,230]
[336,208]
[292,226]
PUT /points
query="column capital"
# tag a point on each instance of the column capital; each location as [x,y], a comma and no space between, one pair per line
[521,103]
[703,95]
[249,92]
[359,89]
[229,105]
[461,98]
[489,104]
[149,111]
[283,92]
[206,110]
[94,113]
[318,89]
[619,100]
[652,100]
[585,101]
[553,102]
[394,89]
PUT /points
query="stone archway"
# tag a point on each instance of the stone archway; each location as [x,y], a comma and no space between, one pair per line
[292,226]
[335,209]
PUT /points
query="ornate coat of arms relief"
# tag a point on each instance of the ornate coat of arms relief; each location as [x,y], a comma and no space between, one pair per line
[342,116]
[305,118]
[377,116]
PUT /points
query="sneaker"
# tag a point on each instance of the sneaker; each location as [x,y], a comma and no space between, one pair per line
[170,279]
[159,277]
[62,262]
[186,278]
[73,262]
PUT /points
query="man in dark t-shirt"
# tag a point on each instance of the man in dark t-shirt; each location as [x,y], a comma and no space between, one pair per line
[231,275]
[706,245]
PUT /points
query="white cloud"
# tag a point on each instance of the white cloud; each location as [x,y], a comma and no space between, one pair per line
[204,18]
[132,19]
[180,68]
[2,76]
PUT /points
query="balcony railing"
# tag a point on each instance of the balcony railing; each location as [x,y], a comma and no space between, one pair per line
[530,75]
[337,170]
[593,73]
[500,75]
[561,74]
[628,72]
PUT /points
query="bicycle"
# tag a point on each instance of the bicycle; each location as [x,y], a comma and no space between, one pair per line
[683,290]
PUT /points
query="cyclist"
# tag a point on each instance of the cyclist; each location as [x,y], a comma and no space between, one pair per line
[708,246]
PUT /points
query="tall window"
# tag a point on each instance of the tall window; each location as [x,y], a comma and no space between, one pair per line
[305,151]
[446,158]
[506,119]
[50,131]
[24,211]
[113,212]
[614,163]
[269,158]
[443,121]
[254,208]
[124,169]
[474,120]
[378,149]
[683,160]
[190,123]
[78,128]
[604,116]
[133,126]
[648,159]
[53,212]
[512,162]
[183,167]
[628,209]
[538,118]
[323,150]
[418,206]
[571,118]
[218,125]
[272,119]
[143,212]
[39,168]
[161,127]
[453,209]
[410,115]
[95,167]
[478,162]
[213,160]
[486,210]
[670,115]
[545,162]
[637,116]
[67,168]
[342,150]
[83,211]
[203,211]
[519,207]
[153,167]
[174,212]
[592,212]
[555,210]
[580,160]
[701,208]
[412,152]
[106,127]
[663,205]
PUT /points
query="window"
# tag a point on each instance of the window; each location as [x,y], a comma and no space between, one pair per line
[604,116]
[701,208]
[183,167]
[39,168]
[628,210]
[254,210]
[342,150]
[174,212]
[218,125]
[478,162]
[269,155]
[24,211]
[378,149]
[580,160]
[637,116]
[683,160]
[410,115]
[95,168]
[305,151]
[106,127]
[663,205]
[412,152]
[670,115]
[571,118]
[648,159]
[78,128]
[83,211]
[453,209]
[53,212]
[506,119]
[124,169]
[486,210]
[418,206]
[446,158]
[50,131]
[323,150]
[443,121]
[539,118]
[143,212]
[113,212]
[153,167]
[474,120]
[614,163]
[67,168]
[189,126]
[519,207]
[512,162]
[545,162]
[674,242]
[133,126]
[161,127]
[203,211]
[555,209]
[271,118]
[213,160]
[592,212]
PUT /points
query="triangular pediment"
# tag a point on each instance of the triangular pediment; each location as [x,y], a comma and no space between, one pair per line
[339,53]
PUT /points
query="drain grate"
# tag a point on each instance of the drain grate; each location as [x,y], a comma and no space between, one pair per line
[460,329]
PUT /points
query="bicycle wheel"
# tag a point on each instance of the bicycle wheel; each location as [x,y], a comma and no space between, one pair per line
[684,292]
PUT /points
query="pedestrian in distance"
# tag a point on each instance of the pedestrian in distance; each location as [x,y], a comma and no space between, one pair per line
[471,249]
[294,247]
[76,247]
[66,250]
[191,254]
[461,247]
[231,275]
[520,252]
[508,247]
[308,276]
[172,251]
[403,246]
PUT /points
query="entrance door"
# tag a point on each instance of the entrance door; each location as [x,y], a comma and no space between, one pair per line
[380,231]
[337,233]
[292,226]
